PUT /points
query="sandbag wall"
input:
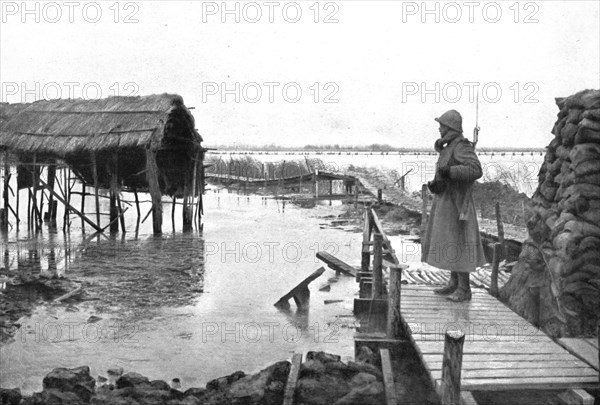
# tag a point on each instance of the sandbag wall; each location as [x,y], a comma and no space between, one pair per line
[561,257]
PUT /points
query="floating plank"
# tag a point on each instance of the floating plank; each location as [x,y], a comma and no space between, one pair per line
[582,349]
[336,264]
[300,293]
[388,377]
[290,386]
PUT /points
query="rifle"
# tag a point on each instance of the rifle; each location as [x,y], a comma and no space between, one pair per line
[476,129]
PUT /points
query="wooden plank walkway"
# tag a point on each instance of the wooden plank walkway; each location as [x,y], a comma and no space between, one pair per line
[585,349]
[502,351]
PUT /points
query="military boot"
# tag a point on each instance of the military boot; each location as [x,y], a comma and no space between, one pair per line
[450,287]
[463,292]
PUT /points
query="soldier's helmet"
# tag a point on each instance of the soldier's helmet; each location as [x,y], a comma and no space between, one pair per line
[451,119]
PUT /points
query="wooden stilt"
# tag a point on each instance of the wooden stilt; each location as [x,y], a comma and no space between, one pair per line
[114,211]
[173,212]
[377,265]
[424,216]
[95,178]
[500,226]
[355,193]
[316,183]
[194,190]
[51,202]
[121,212]
[4,213]
[35,177]
[451,367]
[187,208]
[366,247]
[65,191]
[137,204]
[153,185]
[82,209]
[17,195]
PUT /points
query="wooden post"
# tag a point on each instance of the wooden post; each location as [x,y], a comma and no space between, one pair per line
[35,176]
[51,205]
[355,193]
[379,195]
[366,255]
[495,266]
[82,209]
[17,193]
[154,188]
[95,178]
[424,216]
[121,212]
[173,212]
[394,320]
[137,204]
[535,305]
[402,183]
[451,368]
[187,209]
[114,211]
[330,187]
[316,183]
[500,229]
[377,265]
[4,212]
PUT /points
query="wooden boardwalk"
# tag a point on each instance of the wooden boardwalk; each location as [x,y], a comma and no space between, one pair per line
[501,351]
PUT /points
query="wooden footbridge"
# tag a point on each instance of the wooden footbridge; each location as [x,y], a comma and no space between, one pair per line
[480,345]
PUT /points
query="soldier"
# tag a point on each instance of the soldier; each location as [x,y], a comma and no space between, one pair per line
[452,241]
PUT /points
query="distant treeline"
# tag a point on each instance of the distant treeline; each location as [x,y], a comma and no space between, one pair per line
[376,147]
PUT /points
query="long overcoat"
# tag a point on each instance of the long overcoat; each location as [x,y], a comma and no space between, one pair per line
[452,243]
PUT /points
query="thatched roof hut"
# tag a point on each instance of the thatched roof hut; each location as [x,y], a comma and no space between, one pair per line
[116,132]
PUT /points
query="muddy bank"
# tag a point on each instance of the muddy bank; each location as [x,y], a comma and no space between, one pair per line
[323,380]
[23,292]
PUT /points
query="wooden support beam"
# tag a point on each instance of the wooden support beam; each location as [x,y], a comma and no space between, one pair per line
[451,368]
[300,293]
[51,202]
[377,266]
[370,306]
[154,187]
[114,191]
[121,212]
[495,269]
[71,208]
[367,229]
[355,193]
[82,209]
[292,381]
[365,289]
[500,226]
[388,377]
[394,316]
[137,204]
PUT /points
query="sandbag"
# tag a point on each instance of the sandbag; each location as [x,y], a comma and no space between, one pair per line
[593,115]
[586,134]
[587,191]
[582,228]
[568,134]
[587,167]
[592,216]
[584,151]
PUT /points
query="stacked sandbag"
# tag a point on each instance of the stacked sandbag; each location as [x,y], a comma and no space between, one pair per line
[562,254]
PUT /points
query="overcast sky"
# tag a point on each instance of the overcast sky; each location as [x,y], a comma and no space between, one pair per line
[368,71]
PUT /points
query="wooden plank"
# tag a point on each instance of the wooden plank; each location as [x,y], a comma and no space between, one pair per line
[336,264]
[299,289]
[496,347]
[388,377]
[502,384]
[576,397]
[511,365]
[582,349]
[386,241]
[290,386]
[483,358]
[523,372]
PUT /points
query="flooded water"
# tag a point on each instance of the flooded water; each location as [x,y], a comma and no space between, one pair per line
[519,169]
[187,305]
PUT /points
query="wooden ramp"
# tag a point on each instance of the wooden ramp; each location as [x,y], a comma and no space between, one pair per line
[501,351]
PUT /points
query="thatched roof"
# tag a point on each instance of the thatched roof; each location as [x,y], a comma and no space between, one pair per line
[67,127]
